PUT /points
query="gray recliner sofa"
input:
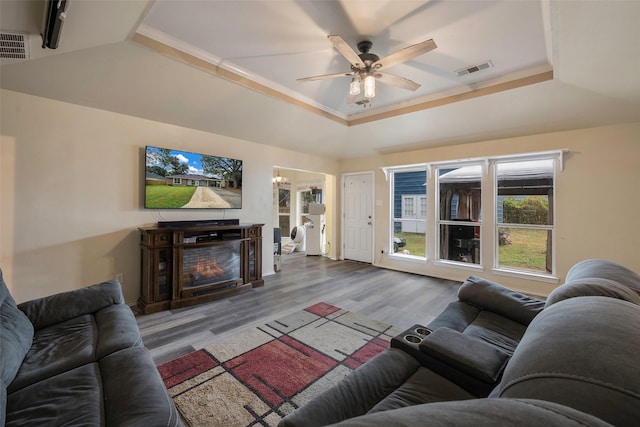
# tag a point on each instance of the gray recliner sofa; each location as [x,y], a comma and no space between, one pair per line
[575,363]
[77,359]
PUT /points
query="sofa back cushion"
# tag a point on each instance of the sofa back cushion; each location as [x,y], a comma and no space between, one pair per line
[603,269]
[593,286]
[582,353]
[64,306]
[16,335]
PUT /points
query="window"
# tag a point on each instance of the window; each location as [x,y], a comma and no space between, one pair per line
[414,207]
[284,210]
[519,231]
[459,220]
[524,215]
[409,204]
[314,195]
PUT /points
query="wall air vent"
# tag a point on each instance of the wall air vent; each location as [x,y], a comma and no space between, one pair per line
[474,68]
[14,46]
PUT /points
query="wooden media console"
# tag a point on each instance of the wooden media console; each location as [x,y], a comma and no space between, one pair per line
[186,265]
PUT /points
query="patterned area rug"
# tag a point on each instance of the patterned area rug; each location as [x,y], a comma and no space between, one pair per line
[264,373]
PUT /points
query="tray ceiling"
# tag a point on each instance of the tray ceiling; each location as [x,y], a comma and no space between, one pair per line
[274,43]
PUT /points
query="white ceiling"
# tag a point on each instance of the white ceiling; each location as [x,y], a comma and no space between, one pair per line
[593,48]
[282,41]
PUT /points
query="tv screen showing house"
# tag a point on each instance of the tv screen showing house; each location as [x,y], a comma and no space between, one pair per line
[176,179]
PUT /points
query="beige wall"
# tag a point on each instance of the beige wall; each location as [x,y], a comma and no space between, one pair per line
[71,192]
[597,203]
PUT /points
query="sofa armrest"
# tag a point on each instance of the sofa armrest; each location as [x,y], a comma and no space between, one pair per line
[479,413]
[134,394]
[498,299]
[467,354]
[47,311]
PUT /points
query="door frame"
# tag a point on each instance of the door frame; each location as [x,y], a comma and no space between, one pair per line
[373,212]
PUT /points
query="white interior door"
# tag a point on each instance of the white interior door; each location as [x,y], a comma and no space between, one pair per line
[358,217]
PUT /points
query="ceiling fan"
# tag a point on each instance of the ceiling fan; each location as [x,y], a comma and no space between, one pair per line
[366,66]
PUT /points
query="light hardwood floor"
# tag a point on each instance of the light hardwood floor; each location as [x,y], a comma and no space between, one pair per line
[398,298]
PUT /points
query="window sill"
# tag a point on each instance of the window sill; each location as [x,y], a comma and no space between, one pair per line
[547,278]
[408,258]
[459,265]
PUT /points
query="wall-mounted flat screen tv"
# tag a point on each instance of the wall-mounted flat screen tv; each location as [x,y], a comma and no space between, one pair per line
[176,179]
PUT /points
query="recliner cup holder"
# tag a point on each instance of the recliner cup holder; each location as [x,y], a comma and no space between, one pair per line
[410,339]
[423,332]
[413,339]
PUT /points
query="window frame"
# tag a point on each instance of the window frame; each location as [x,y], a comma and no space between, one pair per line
[549,276]
[489,233]
[284,187]
[439,222]
[418,219]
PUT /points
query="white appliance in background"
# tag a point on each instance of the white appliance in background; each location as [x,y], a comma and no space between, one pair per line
[315,229]
[297,242]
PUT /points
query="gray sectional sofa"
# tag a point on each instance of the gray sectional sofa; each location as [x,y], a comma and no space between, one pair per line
[499,358]
[77,359]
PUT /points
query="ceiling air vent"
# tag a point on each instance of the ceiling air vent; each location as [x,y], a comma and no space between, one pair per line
[474,69]
[14,46]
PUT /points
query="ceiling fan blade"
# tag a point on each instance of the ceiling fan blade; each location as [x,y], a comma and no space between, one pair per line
[397,81]
[346,51]
[325,76]
[405,54]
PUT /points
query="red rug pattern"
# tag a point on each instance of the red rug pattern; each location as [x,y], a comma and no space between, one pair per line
[261,375]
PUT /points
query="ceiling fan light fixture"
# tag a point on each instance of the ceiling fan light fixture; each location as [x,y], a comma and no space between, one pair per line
[354,86]
[366,66]
[369,86]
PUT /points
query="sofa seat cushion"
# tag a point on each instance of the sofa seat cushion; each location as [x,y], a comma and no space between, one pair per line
[583,353]
[57,349]
[124,388]
[424,386]
[78,341]
[70,398]
[494,329]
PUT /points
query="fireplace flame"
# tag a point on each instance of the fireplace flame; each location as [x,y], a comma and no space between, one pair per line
[205,270]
